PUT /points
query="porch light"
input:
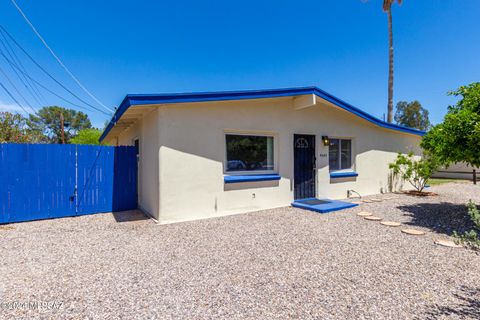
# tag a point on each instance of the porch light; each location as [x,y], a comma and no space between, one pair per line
[325,140]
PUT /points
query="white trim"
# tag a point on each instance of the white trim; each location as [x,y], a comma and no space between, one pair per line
[274,135]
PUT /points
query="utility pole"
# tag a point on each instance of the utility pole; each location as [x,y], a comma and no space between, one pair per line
[62,127]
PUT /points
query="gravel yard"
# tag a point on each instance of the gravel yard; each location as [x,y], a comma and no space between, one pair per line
[282,263]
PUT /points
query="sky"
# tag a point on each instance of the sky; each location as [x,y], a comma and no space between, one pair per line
[120,47]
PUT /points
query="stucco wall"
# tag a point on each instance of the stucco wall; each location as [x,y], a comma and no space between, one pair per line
[147,131]
[455,172]
[191,141]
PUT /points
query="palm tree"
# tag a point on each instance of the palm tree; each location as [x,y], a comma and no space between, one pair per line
[387,7]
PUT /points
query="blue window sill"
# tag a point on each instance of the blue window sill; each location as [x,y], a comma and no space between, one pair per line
[251,178]
[343,174]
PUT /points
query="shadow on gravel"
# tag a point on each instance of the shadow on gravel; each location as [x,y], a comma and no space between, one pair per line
[467,307]
[128,216]
[441,217]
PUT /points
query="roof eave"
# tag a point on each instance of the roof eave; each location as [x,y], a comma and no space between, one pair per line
[146,99]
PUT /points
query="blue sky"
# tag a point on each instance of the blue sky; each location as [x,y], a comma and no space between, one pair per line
[120,47]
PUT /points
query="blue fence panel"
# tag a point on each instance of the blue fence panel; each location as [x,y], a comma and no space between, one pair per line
[95,179]
[107,179]
[38,181]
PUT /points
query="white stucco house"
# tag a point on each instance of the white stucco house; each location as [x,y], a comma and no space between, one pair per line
[211,154]
[459,170]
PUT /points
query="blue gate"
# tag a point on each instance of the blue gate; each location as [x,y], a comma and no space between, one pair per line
[42,181]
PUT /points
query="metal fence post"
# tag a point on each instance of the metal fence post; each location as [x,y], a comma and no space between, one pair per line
[474,176]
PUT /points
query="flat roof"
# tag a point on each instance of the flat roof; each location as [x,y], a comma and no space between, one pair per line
[170,98]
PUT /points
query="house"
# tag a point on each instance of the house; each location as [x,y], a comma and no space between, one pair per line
[212,154]
[459,170]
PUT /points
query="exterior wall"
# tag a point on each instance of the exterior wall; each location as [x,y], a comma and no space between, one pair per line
[147,131]
[191,141]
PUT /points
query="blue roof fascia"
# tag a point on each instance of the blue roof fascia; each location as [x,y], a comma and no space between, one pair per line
[344,105]
[146,99]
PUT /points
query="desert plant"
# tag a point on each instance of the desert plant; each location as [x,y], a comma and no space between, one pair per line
[471,238]
[414,171]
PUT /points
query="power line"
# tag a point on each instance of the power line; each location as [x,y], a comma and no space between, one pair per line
[13,98]
[50,91]
[22,79]
[32,88]
[46,72]
[16,89]
[57,58]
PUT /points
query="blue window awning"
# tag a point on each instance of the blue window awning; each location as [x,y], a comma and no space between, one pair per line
[343,174]
[251,178]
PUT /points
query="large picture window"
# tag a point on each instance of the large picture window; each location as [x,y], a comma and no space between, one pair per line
[249,153]
[340,154]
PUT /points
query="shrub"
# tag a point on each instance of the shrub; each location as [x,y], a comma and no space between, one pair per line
[471,238]
[415,171]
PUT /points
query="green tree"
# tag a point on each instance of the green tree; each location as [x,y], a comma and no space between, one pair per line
[87,136]
[413,115]
[416,171]
[13,128]
[47,123]
[457,138]
[387,7]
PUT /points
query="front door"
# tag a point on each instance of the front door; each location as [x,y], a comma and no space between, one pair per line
[304,166]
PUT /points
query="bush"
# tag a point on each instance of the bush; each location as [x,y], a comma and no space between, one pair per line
[471,238]
[87,136]
[416,172]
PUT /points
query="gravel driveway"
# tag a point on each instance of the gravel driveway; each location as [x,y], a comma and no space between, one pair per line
[282,263]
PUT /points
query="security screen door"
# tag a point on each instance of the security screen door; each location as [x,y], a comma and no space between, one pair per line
[304,166]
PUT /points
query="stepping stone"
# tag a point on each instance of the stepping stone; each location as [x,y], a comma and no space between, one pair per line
[413,232]
[389,198]
[364,214]
[391,223]
[367,201]
[372,218]
[447,243]
[376,200]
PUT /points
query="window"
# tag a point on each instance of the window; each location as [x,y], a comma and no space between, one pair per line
[340,154]
[249,153]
